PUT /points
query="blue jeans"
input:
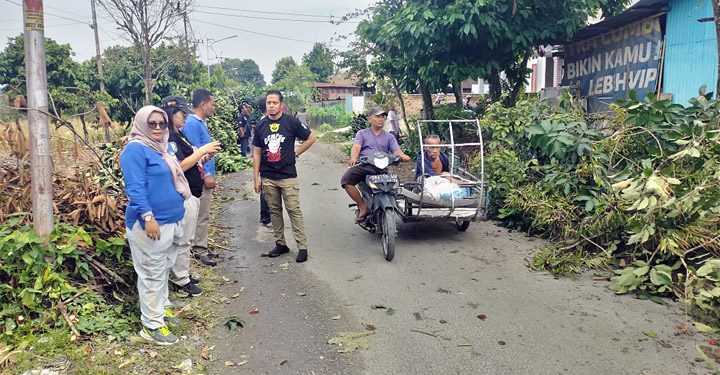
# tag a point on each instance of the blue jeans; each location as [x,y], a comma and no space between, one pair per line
[264,210]
[243,143]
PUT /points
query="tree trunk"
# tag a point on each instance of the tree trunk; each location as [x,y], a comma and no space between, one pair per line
[402,103]
[519,82]
[147,75]
[495,89]
[427,101]
[716,14]
[84,127]
[457,90]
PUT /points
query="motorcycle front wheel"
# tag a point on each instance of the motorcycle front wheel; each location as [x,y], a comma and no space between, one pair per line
[388,233]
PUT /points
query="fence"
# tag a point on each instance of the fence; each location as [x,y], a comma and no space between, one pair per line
[314,121]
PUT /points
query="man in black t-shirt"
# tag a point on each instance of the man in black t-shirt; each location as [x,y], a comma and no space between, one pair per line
[274,171]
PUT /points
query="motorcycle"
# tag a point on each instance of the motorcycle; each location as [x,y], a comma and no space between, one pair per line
[379,193]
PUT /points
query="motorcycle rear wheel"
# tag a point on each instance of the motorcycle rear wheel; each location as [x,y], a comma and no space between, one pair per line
[389,233]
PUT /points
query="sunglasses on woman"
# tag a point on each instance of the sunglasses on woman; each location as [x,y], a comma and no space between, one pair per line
[157,125]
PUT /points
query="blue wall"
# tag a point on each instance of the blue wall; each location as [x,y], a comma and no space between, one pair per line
[691,52]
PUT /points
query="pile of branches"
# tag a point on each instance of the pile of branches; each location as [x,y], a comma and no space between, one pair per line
[88,196]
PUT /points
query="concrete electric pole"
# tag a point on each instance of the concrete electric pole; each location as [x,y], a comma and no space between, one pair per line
[97,47]
[37,110]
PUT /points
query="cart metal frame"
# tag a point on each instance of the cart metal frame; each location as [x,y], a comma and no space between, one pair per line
[417,207]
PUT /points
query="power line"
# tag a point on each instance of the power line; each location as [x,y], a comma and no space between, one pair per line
[65,11]
[51,14]
[268,12]
[270,18]
[254,32]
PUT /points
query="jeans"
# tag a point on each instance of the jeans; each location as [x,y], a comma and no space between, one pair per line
[264,210]
[243,144]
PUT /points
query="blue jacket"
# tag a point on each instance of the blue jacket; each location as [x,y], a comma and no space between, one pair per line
[196,131]
[428,167]
[149,186]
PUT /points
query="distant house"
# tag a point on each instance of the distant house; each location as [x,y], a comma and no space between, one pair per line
[338,87]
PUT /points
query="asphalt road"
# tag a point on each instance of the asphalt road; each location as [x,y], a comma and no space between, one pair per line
[462,303]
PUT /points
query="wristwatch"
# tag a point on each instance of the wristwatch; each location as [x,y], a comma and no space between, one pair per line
[148,217]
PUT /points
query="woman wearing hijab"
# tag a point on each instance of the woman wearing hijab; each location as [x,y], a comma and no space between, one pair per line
[157,189]
[190,160]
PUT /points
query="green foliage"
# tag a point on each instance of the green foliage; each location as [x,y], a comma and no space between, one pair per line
[643,278]
[359,122]
[320,61]
[175,72]
[282,68]
[62,71]
[644,191]
[452,111]
[559,140]
[298,87]
[222,127]
[504,170]
[335,113]
[246,72]
[436,42]
[36,276]
[228,162]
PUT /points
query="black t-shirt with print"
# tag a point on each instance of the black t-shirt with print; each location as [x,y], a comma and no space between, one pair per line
[276,138]
[181,148]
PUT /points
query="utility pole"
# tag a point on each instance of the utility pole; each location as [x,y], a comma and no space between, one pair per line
[187,44]
[207,54]
[98,58]
[37,113]
[97,47]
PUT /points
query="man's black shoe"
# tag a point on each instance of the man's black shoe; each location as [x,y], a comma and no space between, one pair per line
[206,259]
[278,250]
[302,256]
[194,280]
[192,289]
[213,253]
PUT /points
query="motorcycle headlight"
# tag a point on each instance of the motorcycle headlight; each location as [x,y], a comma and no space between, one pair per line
[381,162]
[372,185]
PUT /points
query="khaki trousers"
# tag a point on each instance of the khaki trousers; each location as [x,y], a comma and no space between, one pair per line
[180,272]
[200,245]
[285,191]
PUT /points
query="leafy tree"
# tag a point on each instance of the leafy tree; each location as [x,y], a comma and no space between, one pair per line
[298,87]
[320,61]
[244,71]
[62,71]
[146,23]
[123,72]
[282,68]
[451,40]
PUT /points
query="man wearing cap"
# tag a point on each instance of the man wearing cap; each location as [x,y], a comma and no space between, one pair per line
[191,161]
[367,143]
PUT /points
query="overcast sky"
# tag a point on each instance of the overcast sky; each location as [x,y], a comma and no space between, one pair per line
[67,22]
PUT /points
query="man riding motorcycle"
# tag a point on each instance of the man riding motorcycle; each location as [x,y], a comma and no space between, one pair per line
[367,143]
